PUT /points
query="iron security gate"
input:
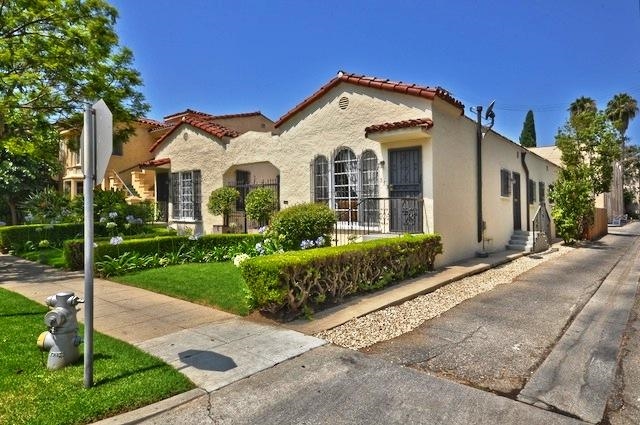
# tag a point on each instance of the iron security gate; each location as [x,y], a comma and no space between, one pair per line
[405,190]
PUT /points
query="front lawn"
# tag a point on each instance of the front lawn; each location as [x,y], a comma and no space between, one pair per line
[125,378]
[51,256]
[218,285]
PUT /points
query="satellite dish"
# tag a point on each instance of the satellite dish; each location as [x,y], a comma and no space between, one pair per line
[490,113]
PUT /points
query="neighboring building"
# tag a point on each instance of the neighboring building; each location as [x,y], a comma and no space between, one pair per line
[612,201]
[128,166]
[387,156]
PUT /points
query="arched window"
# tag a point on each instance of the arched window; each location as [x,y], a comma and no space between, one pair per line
[345,184]
[369,181]
[321,179]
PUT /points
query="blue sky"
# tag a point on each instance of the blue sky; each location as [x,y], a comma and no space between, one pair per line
[239,56]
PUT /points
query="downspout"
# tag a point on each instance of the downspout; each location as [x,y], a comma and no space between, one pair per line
[526,179]
[479,171]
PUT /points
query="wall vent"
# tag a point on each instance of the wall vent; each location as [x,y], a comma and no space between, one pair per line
[343,103]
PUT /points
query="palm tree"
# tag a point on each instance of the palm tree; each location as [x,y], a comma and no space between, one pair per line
[620,110]
[582,104]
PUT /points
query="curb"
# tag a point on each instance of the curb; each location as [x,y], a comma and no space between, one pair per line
[147,412]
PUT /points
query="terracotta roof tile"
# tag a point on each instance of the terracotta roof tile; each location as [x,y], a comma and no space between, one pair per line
[191,113]
[420,122]
[212,128]
[378,83]
[155,162]
[149,121]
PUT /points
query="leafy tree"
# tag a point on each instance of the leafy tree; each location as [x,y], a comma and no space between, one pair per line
[589,147]
[221,201]
[54,56]
[528,135]
[260,203]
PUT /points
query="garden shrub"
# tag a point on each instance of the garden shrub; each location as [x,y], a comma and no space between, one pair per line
[260,204]
[303,222]
[15,237]
[163,245]
[222,200]
[294,282]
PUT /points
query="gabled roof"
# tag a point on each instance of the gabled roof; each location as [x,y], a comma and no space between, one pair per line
[212,128]
[419,122]
[378,83]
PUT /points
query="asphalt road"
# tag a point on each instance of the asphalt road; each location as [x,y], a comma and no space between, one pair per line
[465,367]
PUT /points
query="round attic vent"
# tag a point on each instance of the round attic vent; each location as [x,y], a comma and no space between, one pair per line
[343,102]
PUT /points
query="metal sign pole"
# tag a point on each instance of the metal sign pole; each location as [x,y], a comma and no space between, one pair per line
[89,178]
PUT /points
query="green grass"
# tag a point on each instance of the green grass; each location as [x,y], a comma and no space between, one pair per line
[125,378]
[51,256]
[214,284]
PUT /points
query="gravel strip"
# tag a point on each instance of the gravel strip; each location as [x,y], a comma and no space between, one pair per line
[394,321]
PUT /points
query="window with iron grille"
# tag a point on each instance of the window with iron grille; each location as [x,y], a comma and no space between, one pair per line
[321,179]
[345,184]
[532,191]
[185,195]
[541,191]
[369,180]
[505,183]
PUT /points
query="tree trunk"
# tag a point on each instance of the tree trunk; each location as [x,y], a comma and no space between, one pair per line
[14,211]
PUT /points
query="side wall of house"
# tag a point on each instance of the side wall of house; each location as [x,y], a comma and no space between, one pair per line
[455,185]
[454,182]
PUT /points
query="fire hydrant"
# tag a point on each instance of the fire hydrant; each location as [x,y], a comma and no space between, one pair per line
[62,339]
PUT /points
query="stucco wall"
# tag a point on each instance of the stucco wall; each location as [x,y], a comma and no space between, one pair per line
[455,182]
[448,161]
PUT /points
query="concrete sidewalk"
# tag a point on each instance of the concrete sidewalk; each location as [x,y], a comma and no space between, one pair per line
[211,347]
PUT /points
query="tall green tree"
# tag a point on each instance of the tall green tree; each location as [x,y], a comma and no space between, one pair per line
[54,56]
[528,134]
[621,109]
[582,104]
[589,146]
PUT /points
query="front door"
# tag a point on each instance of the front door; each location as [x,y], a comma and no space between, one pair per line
[517,214]
[162,196]
[405,190]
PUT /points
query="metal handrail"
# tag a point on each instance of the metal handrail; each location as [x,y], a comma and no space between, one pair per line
[123,183]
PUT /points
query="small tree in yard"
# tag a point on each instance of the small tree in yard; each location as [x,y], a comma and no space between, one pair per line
[260,204]
[589,146]
[221,202]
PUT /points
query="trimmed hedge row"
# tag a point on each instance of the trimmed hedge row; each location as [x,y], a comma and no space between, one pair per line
[74,249]
[15,237]
[294,282]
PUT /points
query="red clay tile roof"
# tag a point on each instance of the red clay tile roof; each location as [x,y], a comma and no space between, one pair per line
[155,162]
[188,112]
[420,122]
[212,128]
[151,122]
[362,80]
[204,115]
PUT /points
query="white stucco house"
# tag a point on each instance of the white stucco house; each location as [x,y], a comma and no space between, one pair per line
[388,157]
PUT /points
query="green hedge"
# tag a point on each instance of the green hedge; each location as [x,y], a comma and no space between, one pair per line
[15,237]
[74,249]
[294,282]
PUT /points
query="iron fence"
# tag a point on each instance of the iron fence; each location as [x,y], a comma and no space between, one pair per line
[237,221]
[367,218]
